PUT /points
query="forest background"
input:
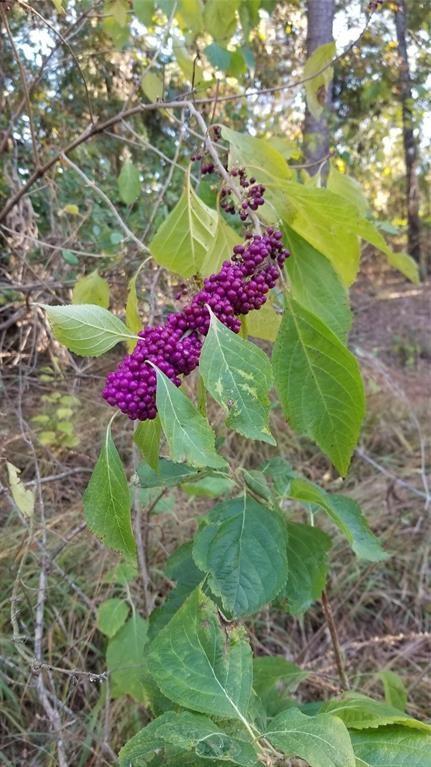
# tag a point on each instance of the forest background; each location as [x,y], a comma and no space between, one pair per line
[93,159]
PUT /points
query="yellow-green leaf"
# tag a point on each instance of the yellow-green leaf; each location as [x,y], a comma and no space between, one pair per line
[23,498]
[316,88]
[92,289]
[133,320]
[152,85]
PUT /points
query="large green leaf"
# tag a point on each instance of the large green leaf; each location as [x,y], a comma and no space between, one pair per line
[182,569]
[257,155]
[190,15]
[395,691]
[316,286]
[199,665]
[190,437]
[359,712]
[221,248]
[185,238]
[263,324]
[319,384]
[391,747]
[186,731]
[126,661]
[86,329]
[91,289]
[345,513]
[220,19]
[274,678]
[129,183]
[318,73]
[111,615]
[168,474]
[401,261]
[322,740]
[238,375]
[243,548]
[307,554]
[348,187]
[107,502]
[325,220]
[147,437]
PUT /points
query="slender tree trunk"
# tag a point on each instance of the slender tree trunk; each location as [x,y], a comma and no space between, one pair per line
[320,16]
[409,141]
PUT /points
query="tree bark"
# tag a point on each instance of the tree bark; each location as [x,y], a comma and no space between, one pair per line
[409,141]
[320,17]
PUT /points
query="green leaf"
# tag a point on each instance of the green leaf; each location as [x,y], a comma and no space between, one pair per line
[322,740]
[181,568]
[316,88]
[126,661]
[345,513]
[220,249]
[242,548]
[129,183]
[209,487]
[92,289]
[256,481]
[348,187]
[147,437]
[199,665]
[122,573]
[153,86]
[220,19]
[319,384]
[316,286]
[107,503]
[168,474]
[238,375]
[401,261]
[307,555]
[133,319]
[144,10]
[111,615]
[23,498]
[118,9]
[190,16]
[188,64]
[326,220]
[190,437]
[186,732]
[219,57]
[185,238]
[359,712]
[86,329]
[395,691]
[391,747]
[258,155]
[264,323]
[273,679]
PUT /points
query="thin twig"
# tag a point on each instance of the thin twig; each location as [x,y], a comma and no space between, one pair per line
[335,641]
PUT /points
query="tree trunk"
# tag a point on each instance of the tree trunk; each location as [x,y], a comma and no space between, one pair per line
[320,16]
[409,141]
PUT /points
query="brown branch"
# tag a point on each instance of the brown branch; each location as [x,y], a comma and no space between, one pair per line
[335,641]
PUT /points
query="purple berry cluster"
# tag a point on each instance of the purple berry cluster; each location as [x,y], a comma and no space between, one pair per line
[240,286]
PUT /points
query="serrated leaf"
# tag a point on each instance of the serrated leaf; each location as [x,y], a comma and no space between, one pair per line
[322,740]
[168,474]
[319,384]
[152,85]
[133,318]
[238,375]
[391,747]
[256,482]
[220,19]
[395,691]
[199,665]
[264,323]
[347,187]
[307,555]
[129,183]
[111,615]
[107,501]
[359,712]
[144,10]
[258,156]
[186,732]
[221,249]
[243,549]
[209,487]
[316,286]
[317,87]
[345,513]
[86,329]
[147,436]
[180,568]
[185,238]
[23,498]
[91,289]
[401,261]
[126,661]
[274,678]
[188,433]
